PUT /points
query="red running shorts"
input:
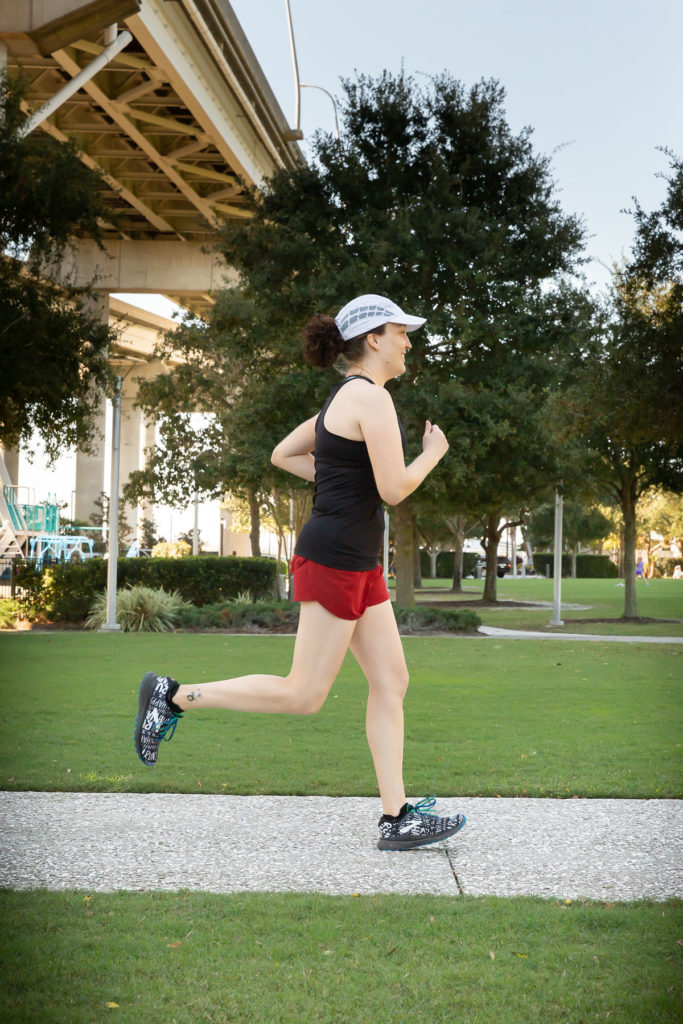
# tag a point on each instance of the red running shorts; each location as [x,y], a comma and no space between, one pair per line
[345,594]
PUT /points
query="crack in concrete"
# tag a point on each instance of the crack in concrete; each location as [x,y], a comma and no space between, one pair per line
[461,891]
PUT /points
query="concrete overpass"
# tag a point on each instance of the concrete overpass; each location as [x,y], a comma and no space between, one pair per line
[176,122]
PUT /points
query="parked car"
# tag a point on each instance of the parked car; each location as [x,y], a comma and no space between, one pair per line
[504,565]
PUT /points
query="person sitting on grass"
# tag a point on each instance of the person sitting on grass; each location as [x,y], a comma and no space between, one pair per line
[354,452]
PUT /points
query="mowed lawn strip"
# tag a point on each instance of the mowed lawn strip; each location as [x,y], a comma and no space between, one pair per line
[659,600]
[75,958]
[483,718]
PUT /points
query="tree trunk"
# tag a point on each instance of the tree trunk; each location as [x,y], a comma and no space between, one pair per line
[574,553]
[459,522]
[628,508]
[404,542]
[417,566]
[432,563]
[255,532]
[490,542]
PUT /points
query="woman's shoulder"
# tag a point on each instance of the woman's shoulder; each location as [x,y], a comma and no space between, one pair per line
[368,400]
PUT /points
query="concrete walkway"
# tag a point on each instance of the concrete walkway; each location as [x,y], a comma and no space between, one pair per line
[520,634]
[568,849]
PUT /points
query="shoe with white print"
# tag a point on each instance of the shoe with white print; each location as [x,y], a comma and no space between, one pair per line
[419,826]
[156,719]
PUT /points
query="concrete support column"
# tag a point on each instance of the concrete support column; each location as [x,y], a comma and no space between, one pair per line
[11,459]
[131,433]
[147,440]
[90,468]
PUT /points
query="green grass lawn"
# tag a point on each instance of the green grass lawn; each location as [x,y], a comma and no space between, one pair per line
[602,599]
[483,718]
[189,958]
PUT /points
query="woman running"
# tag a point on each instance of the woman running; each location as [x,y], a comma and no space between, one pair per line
[354,452]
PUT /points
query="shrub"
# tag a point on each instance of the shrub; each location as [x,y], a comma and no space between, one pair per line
[10,611]
[174,549]
[587,566]
[445,562]
[283,617]
[436,620]
[66,592]
[139,610]
[244,615]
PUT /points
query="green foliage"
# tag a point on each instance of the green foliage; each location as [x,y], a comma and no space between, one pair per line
[283,617]
[53,352]
[580,525]
[10,611]
[66,592]
[623,405]
[244,616]
[587,566]
[436,620]
[465,226]
[139,610]
[445,564]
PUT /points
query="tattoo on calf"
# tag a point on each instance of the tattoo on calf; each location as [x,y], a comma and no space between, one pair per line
[195,695]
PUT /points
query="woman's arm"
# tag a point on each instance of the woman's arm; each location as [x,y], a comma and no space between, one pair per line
[294,453]
[378,423]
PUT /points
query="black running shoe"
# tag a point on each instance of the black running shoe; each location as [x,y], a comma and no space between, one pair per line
[156,719]
[419,826]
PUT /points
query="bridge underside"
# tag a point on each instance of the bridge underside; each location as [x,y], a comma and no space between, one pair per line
[179,124]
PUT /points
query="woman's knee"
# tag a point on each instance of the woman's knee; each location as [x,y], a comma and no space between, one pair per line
[301,699]
[390,684]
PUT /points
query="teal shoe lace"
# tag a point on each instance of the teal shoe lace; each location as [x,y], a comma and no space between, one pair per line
[165,731]
[425,806]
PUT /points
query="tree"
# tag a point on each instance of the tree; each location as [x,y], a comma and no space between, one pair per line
[100,519]
[580,525]
[624,405]
[659,523]
[53,352]
[428,197]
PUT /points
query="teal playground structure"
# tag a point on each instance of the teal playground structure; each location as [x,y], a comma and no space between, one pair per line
[30,529]
[57,547]
[26,516]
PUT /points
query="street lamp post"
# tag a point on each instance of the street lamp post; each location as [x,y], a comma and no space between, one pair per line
[557,563]
[110,625]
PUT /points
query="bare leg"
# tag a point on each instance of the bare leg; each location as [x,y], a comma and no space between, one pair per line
[321,643]
[376,645]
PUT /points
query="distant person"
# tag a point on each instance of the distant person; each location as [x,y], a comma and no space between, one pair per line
[640,570]
[677,573]
[354,451]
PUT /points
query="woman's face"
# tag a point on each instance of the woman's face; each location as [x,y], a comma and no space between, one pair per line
[394,344]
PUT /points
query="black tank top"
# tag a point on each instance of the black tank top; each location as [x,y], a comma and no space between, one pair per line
[347,524]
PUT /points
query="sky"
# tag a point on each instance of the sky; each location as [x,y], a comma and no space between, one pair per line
[602,79]
[600,83]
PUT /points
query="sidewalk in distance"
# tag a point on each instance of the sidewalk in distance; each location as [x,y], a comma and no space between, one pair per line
[616,850]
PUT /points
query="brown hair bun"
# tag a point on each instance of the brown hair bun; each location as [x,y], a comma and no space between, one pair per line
[322,341]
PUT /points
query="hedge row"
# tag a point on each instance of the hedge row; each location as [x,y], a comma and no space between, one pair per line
[445,564]
[271,616]
[587,566]
[66,592]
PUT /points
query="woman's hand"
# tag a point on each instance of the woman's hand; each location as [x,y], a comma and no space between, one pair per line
[434,441]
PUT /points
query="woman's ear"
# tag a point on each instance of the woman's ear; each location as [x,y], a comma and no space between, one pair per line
[373,341]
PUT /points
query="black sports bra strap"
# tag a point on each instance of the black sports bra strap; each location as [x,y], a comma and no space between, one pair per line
[357,376]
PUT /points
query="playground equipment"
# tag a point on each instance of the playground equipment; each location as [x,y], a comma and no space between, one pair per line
[59,547]
[20,520]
